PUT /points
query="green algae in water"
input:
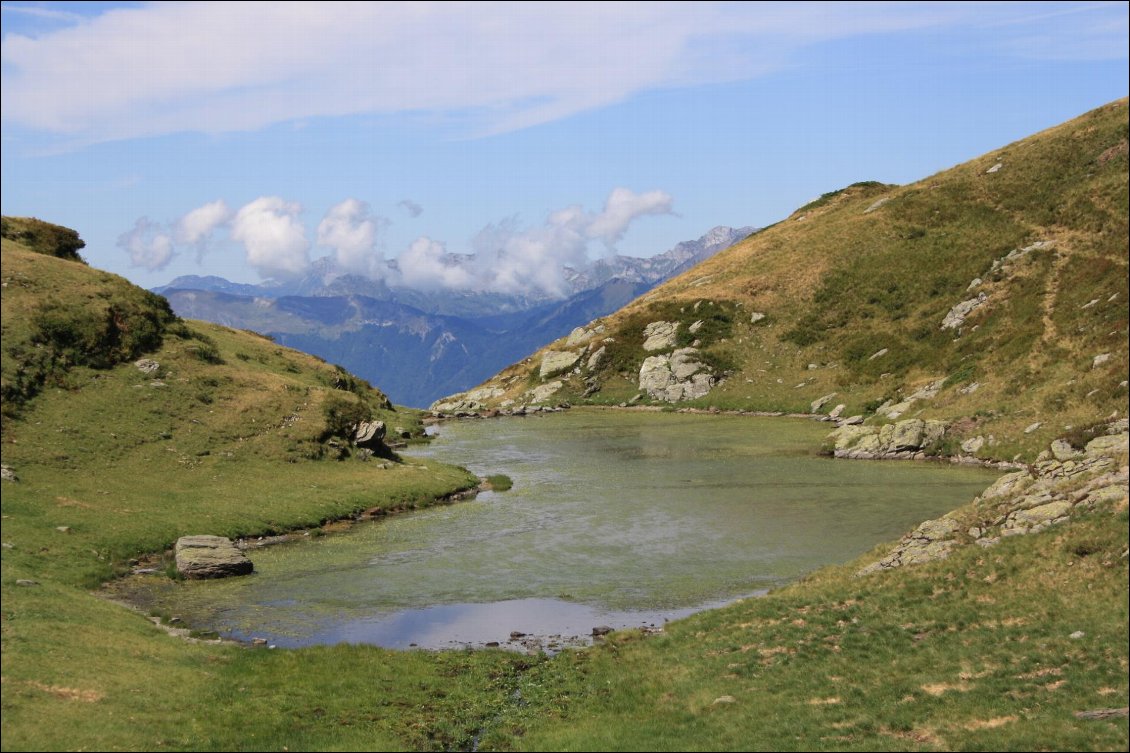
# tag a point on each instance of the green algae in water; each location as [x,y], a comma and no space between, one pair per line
[628,518]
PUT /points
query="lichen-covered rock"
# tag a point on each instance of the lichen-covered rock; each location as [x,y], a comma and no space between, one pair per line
[147,365]
[578,336]
[597,357]
[677,377]
[1062,450]
[907,435]
[210,557]
[542,392]
[660,336]
[956,316]
[1110,445]
[898,440]
[1039,517]
[556,361]
[973,444]
[820,402]
[370,435]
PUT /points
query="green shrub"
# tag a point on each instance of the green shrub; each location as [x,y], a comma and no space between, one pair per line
[500,482]
[43,237]
[342,415]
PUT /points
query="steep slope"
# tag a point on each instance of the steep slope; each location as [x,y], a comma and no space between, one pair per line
[992,296]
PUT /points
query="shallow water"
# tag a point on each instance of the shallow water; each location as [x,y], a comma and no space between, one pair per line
[619,519]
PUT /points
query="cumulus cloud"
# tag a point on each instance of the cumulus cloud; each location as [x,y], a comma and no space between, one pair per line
[216,67]
[149,246]
[511,259]
[621,208]
[350,229]
[196,227]
[273,235]
[426,266]
[412,208]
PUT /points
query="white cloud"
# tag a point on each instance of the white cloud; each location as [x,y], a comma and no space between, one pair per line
[514,260]
[621,208]
[273,235]
[216,67]
[425,266]
[148,245]
[50,14]
[350,229]
[196,227]
[412,208]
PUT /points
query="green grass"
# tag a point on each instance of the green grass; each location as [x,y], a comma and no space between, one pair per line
[500,482]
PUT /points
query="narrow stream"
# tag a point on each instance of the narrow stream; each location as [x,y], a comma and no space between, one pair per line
[617,519]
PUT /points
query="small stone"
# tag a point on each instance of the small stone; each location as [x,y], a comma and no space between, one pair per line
[756,317]
[491,644]
[973,444]
[1099,360]
[516,634]
[7,474]
[994,168]
[27,582]
[878,353]
[1032,427]
[1077,635]
[821,402]
[146,365]
[63,529]
[258,641]
[723,699]
[601,630]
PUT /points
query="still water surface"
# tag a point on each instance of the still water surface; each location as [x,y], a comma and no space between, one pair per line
[616,519]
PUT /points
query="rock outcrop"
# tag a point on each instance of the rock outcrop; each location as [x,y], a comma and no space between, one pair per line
[210,557]
[956,316]
[676,377]
[660,336]
[542,392]
[912,438]
[1024,502]
[466,402]
[556,361]
[370,435]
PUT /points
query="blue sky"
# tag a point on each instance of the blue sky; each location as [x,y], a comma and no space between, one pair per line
[248,140]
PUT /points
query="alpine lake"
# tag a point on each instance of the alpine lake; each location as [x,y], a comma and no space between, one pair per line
[616,519]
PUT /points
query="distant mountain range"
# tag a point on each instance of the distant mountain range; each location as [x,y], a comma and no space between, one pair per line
[417,344]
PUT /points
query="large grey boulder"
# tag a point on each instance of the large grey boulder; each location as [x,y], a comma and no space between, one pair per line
[1063,451]
[679,376]
[210,557]
[542,392]
[597,357]
[578,336]
[556,361]
[660,336]
[370,435]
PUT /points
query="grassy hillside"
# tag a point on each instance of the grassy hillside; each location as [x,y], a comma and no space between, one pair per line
[223,432]
[217,431]
[855,286]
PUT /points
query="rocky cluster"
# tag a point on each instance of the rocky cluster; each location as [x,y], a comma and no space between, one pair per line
[1026,501]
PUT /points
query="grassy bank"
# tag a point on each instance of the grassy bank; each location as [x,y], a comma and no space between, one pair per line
[989,650]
